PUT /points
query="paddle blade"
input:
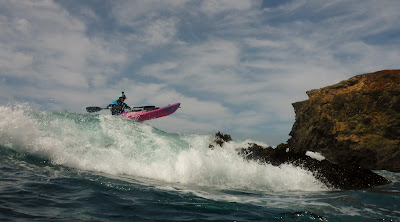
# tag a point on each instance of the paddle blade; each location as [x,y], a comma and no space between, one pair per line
[93,109]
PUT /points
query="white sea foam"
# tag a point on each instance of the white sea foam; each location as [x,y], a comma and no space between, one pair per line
[112,145]
[315,155]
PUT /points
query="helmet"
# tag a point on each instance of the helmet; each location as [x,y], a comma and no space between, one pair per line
[122,95]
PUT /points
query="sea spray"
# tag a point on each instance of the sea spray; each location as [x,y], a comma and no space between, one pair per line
[117,146]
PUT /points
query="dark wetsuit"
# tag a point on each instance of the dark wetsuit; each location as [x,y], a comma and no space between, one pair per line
[117,107]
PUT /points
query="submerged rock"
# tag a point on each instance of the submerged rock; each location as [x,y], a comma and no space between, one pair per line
[355,122]
[333,175]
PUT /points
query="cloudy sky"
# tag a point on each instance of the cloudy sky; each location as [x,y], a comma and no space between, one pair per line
[235,65]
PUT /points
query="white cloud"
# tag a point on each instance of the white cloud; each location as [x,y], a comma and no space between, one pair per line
[234,66]
[134,13]
[209,65]
[213,7]
[44,44]
[264,43]
[160,32]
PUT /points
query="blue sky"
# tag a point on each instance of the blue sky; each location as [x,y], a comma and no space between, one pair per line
[235,65]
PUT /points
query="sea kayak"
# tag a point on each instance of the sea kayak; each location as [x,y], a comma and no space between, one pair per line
[144,114]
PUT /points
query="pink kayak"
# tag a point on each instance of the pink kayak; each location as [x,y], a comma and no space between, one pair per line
[144,114]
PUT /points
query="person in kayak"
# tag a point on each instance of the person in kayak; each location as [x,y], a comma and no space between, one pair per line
[118,106]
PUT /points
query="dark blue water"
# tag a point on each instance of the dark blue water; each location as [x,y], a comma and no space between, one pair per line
[74,167]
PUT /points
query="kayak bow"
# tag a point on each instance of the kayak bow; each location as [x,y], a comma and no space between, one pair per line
[144,114]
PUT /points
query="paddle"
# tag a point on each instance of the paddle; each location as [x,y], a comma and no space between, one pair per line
[93,109]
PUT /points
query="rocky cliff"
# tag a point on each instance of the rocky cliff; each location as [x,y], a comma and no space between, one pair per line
[331,174]
[355,122]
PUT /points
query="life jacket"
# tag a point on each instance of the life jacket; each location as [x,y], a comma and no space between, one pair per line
[118,107]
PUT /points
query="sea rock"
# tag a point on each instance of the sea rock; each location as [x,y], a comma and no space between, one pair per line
[333,175]
[220,139]
[354,122]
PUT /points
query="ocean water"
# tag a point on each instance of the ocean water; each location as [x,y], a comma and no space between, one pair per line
[63,166]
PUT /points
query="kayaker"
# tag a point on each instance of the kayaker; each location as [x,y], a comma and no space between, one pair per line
[118,106]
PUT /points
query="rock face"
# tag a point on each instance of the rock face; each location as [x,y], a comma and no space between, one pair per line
[333,175]
[355,122]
